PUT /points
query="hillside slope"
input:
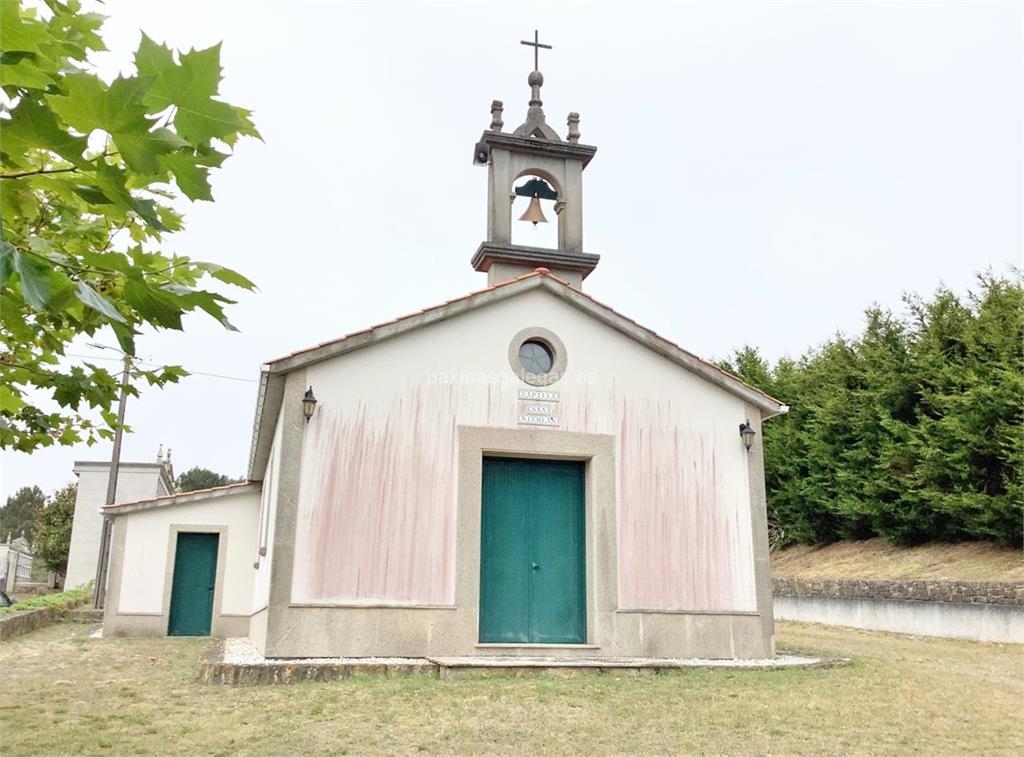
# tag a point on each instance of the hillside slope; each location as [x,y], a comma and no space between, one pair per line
[878,559]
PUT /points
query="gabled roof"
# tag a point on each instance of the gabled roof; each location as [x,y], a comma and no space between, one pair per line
[181,498]
[272,377]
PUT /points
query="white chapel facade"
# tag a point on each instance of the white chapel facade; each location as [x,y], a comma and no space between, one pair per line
[521,468]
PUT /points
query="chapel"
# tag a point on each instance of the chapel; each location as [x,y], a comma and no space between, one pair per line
[520,468]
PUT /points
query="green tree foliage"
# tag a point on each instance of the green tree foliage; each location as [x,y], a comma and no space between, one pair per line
[202,478]
[89,170]
[912,431]
[53,530]
[19,514]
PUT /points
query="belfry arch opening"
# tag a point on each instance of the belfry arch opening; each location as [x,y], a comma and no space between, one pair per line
[539,227]
[534,209]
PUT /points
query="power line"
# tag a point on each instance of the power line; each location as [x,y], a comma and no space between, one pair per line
[157,365]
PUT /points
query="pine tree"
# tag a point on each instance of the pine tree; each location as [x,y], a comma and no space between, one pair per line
[18,516]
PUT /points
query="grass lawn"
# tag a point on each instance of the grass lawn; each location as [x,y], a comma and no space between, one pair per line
[65,693]
[878,559]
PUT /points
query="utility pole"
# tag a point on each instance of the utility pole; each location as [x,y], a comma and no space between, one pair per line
[99,590]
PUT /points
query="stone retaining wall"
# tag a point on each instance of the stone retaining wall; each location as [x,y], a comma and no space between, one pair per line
[963,592]
[26,621]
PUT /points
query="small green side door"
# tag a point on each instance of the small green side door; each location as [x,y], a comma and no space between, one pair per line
[532,553]
[195,577]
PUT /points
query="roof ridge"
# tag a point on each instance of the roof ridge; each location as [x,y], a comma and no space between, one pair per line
[540,271]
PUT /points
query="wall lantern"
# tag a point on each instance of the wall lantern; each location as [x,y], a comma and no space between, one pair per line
[747,433]
[308,404]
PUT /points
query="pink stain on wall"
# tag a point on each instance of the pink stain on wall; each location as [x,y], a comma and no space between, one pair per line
[683,518]
[376,514]
[683,533]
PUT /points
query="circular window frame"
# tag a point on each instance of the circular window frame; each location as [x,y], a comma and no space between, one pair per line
[550,340]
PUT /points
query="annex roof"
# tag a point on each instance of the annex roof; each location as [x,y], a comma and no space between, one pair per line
[181,498]
[271,387]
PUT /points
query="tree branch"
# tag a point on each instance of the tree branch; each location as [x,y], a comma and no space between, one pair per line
[32,369]
[37,172]
[44,171]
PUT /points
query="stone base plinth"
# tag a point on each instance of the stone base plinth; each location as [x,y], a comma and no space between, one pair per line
[236,661]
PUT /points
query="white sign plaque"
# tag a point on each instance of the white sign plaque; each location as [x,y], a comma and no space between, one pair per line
[529,419]
[542,395]
[536,407]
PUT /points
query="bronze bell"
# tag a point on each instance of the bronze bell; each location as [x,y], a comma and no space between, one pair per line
[534,214]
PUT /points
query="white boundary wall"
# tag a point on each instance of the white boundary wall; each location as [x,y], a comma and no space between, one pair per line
[955,620]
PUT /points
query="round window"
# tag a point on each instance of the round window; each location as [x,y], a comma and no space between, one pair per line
[536,357]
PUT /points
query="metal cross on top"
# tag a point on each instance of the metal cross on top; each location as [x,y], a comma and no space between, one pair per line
[536,45]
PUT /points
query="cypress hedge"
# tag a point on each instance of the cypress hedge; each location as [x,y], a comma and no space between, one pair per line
[912,430]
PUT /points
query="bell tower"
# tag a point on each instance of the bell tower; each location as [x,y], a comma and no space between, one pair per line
[533,161]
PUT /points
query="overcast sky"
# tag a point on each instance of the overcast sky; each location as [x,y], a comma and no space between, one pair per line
[765,171]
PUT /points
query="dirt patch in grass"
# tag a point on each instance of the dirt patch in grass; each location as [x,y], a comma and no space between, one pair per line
[139,696]
[878,559]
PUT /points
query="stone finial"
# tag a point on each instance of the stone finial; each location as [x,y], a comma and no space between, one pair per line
[160,454]
[536,125]
[168,467]
[496,108]
[574,127]
[536,81]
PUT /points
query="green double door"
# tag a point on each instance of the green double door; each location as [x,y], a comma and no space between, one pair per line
[532,552]
[195,578]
